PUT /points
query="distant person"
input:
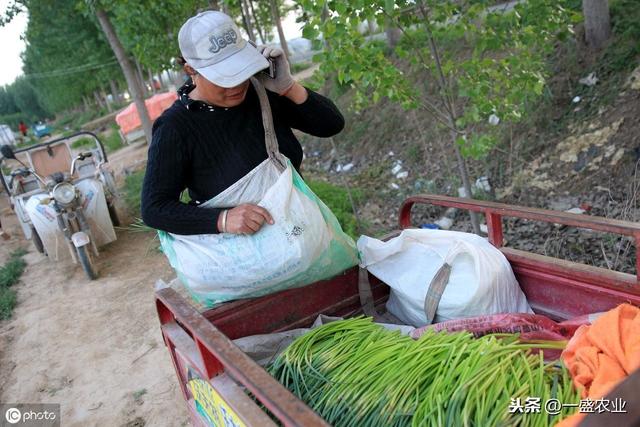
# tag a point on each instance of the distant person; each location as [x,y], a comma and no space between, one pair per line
[22,128]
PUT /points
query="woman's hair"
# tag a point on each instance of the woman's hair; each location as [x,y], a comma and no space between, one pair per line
[180,60]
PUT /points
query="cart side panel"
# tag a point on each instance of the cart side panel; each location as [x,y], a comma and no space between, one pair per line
[213,373]
[563,289]
[294,308]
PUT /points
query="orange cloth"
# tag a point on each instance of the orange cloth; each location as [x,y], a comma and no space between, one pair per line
[601,355]
[128,118]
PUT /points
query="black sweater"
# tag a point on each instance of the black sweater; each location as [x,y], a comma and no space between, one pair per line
[206,151]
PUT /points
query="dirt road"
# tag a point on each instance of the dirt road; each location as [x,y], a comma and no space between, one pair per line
[94,347]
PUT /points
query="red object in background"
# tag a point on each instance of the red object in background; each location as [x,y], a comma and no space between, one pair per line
[22,128]
[128,119]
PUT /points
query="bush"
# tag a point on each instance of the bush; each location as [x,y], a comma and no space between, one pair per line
[625,25]
[337,199]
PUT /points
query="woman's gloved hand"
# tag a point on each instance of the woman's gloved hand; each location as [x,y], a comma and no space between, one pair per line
[244,219]
[283,81]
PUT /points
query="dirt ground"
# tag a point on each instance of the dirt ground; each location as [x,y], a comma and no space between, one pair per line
[94,347]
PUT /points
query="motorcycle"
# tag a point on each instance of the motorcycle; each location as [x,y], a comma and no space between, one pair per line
[66,210]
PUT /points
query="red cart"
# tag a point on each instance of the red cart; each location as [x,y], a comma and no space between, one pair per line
[222,385]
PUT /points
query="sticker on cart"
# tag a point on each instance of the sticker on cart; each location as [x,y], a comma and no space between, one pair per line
[211,406]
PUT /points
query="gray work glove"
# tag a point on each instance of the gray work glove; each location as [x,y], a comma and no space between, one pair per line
[283,81]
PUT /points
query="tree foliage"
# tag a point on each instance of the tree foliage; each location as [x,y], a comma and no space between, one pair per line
[472,62]
[149,29]
[67,58]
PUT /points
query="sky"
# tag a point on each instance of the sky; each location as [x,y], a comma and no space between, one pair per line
[11,46]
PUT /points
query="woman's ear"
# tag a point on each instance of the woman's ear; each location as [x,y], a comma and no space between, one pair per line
[190,70]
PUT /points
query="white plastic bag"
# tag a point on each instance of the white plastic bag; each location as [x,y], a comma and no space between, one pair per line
[305,244]
[94,204]
[481,280]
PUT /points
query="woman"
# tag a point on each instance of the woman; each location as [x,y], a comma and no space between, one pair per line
[213,135]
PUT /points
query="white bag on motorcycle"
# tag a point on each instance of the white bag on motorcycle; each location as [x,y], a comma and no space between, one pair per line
[94,205]
[305,244]
[480,281]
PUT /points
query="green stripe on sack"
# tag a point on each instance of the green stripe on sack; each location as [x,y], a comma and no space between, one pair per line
[340,255]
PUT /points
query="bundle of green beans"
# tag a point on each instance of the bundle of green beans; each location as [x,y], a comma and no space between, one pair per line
[356,373]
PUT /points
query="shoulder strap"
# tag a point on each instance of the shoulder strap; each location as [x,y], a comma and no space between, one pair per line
[435,291]
[270,140]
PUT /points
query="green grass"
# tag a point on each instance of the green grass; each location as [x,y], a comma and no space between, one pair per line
[113,141]
[83,142]
[296,68]
[7,302]
[132,191]
[26,142]
[9,275]
[337,199]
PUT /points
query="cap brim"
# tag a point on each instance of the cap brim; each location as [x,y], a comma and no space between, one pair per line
[235,69]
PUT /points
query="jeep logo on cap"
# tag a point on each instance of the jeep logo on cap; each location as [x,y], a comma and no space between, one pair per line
[220,41]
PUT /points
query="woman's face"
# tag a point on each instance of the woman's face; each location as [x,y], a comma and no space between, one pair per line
[216,95]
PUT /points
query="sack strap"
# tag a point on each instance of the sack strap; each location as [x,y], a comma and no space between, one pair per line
[435,291]
[366,296]
[270,139]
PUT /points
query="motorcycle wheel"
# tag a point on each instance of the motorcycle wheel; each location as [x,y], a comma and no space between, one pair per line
[113,214]
[87,263]
[37,241]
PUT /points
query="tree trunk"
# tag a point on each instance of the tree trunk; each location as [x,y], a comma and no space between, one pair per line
[327,47]
[225,7]
[213,5]
[115,93]
[393,34]
[246,18]
[103,95]
[99,101]
[597,24]
[452,117]
[152,81]
[255,20]
[276,19]
[86,104]
[371,27]
[127,70]
[145,91]
[161,80]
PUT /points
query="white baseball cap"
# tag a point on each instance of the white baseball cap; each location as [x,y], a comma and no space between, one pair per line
[211,43]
